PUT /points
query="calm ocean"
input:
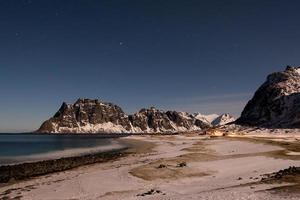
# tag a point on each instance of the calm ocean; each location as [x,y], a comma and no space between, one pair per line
[18,148]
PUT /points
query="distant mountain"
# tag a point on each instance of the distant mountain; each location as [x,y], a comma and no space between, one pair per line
[95,116]
[152,120]
[276,103]
[87,116]
[223,119]
[207,118]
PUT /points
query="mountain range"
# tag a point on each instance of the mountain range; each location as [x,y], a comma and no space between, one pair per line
[95,116]
[276,104]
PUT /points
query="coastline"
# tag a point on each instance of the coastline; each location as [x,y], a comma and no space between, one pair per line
[16,172]
[12,173]
[169,167]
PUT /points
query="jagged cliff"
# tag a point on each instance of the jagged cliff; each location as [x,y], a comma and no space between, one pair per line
[87,116]
[276,103]
[95,116]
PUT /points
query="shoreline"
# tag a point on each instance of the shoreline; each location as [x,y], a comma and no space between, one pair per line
[173,167]
[13,173]
[57,154]
[22,171]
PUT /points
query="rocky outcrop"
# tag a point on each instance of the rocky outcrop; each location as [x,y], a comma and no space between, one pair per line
[276,103]
[94,116]
[87,116]
[23,171]
[153,120]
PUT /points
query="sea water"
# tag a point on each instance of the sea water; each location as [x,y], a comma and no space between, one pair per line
[19,148]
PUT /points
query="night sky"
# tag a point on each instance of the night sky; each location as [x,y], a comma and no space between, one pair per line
[195,56]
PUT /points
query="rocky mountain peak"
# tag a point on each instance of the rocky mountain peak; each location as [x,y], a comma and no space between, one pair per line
[94,116]
[149,110]
[292,69]
[86,115]
[276,103]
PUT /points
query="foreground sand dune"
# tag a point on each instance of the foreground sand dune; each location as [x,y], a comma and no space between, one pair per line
[173,167]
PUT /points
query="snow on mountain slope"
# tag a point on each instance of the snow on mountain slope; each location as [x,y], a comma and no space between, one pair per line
[208,118]
[95,116]
[276,103]
[222,120]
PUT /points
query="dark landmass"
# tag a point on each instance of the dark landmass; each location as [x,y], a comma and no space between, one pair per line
[10,173]
[276,103]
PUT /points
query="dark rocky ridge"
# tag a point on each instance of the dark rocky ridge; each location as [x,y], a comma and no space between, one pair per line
[276,103]
[94,116]
[33,169]
[153,120]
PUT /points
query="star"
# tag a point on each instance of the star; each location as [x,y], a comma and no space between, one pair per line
[120,43]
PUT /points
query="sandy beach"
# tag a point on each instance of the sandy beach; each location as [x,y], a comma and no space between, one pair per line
[174,167]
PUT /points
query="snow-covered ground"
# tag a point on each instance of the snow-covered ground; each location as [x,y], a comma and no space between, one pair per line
[217,168]
[233,130]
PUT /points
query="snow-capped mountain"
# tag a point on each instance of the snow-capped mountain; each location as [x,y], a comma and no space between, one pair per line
[276,103]
[153,120]
[87,116]
[222,120]
[207,118]
[95,116]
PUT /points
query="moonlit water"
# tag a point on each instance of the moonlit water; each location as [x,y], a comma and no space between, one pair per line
[18,148]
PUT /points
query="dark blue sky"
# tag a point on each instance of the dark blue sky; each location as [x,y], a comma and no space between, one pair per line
[196,56]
